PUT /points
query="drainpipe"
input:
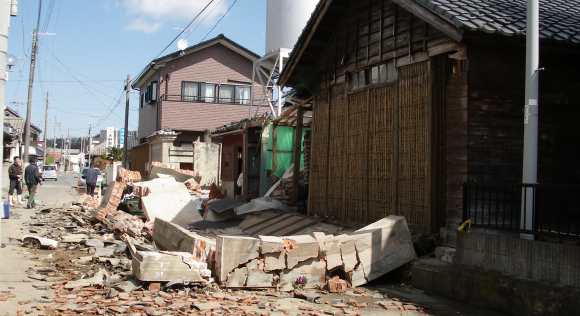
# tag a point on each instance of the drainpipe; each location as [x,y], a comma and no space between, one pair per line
[530,163]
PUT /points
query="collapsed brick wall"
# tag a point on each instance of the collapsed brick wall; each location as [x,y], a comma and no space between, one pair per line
[359,257]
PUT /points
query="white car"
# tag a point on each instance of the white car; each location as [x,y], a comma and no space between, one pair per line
[49,172]
[83,174]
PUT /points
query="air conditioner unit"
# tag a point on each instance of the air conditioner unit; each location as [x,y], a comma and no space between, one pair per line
[151,94]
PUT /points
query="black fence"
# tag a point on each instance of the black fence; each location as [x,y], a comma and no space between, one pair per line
[555,209]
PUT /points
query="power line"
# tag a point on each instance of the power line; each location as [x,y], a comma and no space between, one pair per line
[198,24]
[178,35]
[218,22]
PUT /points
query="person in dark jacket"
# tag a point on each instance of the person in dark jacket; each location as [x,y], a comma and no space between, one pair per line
[91,179]
[32,178]
[15,174]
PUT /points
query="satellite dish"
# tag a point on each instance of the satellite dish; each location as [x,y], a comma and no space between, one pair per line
[11,60]
[182,44]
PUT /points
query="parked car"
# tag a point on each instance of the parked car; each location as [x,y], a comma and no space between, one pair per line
[82,181]
[49,172]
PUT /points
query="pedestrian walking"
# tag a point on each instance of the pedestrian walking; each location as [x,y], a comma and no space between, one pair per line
[15,174]
[32,178]
[91,179]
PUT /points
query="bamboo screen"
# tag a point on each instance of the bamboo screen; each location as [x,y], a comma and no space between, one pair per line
[356,157]
[413,188]
[335,151]
[318,169]
[381,145]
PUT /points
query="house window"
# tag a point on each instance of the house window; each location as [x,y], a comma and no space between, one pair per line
[190,91]
[206,92]
[227,94]
[142,100]
[376,74]
[243,95]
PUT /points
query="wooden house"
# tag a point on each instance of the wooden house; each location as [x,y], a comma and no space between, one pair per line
[415,98]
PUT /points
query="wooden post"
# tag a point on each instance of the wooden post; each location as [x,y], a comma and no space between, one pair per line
[245,162]
[296,159]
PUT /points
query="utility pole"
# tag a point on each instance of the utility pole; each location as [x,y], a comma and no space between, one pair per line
[127,87]
[61,156]
[90,141]
[45,129]
[29,105]
[30,86]
[530,163]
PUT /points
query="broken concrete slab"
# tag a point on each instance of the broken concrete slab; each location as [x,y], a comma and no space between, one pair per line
[167,266]
[179,174]
[173,204]
[98,279]
[300,248]
[94,243]
[259,278]
[238,277]
[172,237]
[274,261]
[233,251]
[382,247]
[269,244]
[261,204]
[347,252]
[313,270]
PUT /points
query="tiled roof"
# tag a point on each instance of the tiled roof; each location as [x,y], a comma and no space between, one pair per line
[559,19]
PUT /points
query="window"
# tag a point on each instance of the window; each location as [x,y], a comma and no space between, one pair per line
[190,91]
[377,74]
[142,100]
[227,94]
[206,92]
[151,94]
[243,95]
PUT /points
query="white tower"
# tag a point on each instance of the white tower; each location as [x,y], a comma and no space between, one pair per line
[285,20]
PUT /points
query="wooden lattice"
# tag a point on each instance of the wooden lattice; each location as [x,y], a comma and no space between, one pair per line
[356,157]
[336,152]
[413,188]
[318,168]
[380,177]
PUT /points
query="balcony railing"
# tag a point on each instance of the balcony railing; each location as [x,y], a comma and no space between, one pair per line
[198,99]
[555,209]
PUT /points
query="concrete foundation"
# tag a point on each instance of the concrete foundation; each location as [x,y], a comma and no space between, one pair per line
[496,291]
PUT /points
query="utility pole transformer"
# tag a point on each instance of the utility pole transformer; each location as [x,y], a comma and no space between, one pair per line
[127,87]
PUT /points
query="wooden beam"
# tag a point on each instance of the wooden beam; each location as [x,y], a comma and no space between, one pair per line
[296,159]
[432,18]
[245,162]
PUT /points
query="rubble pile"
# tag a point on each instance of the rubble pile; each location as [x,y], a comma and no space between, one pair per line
[127,176]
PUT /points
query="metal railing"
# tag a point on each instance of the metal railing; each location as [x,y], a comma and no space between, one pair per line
[555,209]
[198,99]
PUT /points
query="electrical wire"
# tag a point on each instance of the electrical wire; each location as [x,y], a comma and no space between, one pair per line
[198,24]
[218,22]
[183,30]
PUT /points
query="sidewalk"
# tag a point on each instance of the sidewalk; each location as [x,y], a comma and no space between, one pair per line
[15,260]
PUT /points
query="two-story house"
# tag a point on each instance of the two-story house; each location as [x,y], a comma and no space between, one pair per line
[194,90]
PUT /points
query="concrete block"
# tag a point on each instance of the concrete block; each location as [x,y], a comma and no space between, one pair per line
[160,267]
[312,269]
[274,261]
[171,203]
[348,253]
[382,247]
[269,244]
[259,278]
[300,248]
[172,237]
[232,252]
[238,277]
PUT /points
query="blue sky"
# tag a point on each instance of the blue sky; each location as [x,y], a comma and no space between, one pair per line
[98,43]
